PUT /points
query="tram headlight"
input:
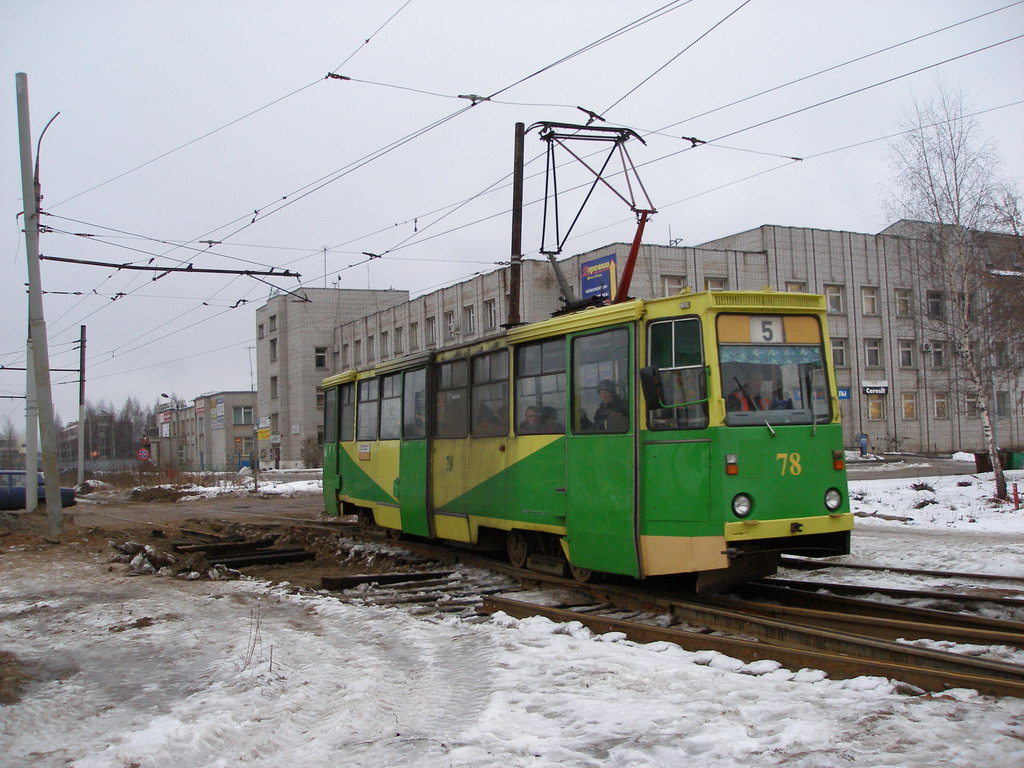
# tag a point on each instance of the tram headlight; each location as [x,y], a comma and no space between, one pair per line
[742,505]
[833,499]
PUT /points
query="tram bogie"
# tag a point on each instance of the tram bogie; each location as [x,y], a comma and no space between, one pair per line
[694,434]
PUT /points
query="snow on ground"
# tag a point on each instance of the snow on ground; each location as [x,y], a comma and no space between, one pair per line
[158,672]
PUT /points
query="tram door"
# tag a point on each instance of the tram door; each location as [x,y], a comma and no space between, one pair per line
[412,487]
[600,476]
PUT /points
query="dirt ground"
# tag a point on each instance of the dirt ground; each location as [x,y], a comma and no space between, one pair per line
[91,526]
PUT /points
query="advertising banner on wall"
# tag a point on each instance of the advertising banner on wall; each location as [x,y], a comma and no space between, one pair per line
[598,277]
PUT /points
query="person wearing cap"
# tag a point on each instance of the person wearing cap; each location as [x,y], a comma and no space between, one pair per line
[612,415]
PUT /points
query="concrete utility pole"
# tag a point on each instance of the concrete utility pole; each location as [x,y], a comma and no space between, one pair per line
[37,323]
[515,270]
[31,428]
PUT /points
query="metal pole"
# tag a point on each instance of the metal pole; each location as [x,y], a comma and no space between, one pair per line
[37,323]
[515,271]
[81,410]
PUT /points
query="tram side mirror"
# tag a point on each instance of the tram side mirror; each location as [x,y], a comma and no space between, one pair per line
[650,383]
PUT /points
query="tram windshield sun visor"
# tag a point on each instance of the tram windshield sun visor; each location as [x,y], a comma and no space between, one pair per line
[778,384]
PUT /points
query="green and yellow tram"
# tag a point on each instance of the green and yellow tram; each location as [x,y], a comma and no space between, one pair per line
[693,434]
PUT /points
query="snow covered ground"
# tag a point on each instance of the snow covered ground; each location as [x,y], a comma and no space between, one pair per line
[153,672]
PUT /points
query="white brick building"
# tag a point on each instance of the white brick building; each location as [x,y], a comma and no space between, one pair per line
[900,385]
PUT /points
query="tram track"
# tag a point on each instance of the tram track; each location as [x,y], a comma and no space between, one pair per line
[795,625]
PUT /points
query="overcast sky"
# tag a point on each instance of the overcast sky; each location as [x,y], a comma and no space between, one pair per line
[179,121]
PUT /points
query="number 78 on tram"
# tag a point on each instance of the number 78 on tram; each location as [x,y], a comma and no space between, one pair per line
[694,434]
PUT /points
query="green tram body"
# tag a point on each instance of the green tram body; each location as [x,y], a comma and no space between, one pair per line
[685,481]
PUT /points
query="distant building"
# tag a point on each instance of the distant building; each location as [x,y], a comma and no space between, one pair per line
[295,351]
[215,433]
[897,385]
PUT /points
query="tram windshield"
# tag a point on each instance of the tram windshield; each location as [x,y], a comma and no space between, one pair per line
[773,370]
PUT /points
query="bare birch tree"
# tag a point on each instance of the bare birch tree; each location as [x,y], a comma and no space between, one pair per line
[946,183]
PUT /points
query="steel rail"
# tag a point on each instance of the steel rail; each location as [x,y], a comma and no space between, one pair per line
[851,589]
[990,679]
[798,598]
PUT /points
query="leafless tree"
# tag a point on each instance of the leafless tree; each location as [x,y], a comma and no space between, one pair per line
[946,188]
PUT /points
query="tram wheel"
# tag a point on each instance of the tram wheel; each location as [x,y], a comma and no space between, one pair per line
[394,533]
[582,575]
[518,547]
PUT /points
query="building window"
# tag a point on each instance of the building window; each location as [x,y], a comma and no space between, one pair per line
[873,353]
[320,397]
[398,340]
[431,331]
[358,353]
[384,345]
[468,321]
[794,287]
[273,349]
[909,403]
[716,284]
[940,405]
[259,331]
[672,284]
[839,353]
[344,357]
[906,350]
[1000,355]
[869,300]
[414,336]
[938,350]
[936,304]
[834,299]
[272,323]
[370,350]
[241,415]
[449,325]
[1002,405]
[273,386]
[490,314]
[971,406]
[876,407]
[320,357]
[903,297]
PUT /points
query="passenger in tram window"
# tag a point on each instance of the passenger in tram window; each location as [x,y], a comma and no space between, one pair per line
[550,424]
[533,423]
[612,415]
[747,396]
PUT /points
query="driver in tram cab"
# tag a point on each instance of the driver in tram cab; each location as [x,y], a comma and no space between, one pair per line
[747,397]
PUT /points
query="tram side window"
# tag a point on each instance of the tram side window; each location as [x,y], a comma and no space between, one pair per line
[391,407]
[675,349]
[414,411]
[489,398]
[348,412]
[331,415]
[540,388]
[600,394]
[367,409]
[452,399]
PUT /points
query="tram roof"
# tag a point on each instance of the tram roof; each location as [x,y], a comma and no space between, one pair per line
[624,312]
